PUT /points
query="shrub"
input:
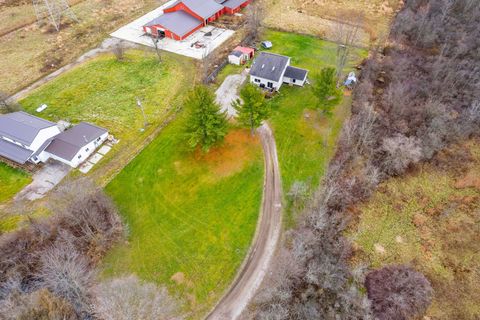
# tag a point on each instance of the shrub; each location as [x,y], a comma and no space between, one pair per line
[129,298]
[398,292]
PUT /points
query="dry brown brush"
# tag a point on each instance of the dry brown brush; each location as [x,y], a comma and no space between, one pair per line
[419,96]
[59,253]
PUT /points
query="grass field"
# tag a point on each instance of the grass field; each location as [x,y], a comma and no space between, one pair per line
[428,220]
[11,181]
[103,91]
[191,217]
[305,139]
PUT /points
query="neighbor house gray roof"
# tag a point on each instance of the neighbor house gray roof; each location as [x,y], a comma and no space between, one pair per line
[179,22]
[203,8]
[232,4]
[269,66]
[296,73]
[14,152]
[22,127]
[68,143]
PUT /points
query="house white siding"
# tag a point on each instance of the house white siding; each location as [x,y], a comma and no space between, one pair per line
[83,154]
[264,83]
[294,81]
[42,136]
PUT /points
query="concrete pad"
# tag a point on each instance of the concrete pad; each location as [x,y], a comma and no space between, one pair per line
[44,180]
[228,92]
[95,158]
[86,167]
[133,32]
[104,150]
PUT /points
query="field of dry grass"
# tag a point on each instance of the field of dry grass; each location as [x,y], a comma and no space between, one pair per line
[318,17]
[32,51]
[430,219]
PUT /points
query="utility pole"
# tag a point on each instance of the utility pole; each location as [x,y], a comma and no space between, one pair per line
[53,10]
[157,49]
[145,123]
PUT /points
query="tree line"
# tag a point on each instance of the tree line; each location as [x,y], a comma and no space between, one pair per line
[414,98]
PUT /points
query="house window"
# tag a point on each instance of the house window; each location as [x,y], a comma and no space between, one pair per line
[269,84]
[87,149]
[294,80]
[257,80]
[79,156]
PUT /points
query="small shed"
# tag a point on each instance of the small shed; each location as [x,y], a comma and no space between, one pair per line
[241,55]
[236,57]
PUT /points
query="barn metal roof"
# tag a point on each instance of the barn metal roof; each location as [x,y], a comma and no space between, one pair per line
[296,73]
[68,143]
[22,127]
[204,8]
[14,152]
[269,66]
[232,4]
[178,22]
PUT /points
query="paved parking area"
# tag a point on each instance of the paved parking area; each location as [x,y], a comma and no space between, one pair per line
[44,180]
[133,32]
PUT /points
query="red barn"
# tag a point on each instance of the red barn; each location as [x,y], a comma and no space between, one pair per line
[184,17]
[234,6]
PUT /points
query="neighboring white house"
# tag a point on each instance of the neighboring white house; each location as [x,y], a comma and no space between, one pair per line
[23,137]
[26,138]
[270,71]
[76,144]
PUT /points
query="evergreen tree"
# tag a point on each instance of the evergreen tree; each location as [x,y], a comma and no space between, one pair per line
[325,90]
[206,126]
[252,109]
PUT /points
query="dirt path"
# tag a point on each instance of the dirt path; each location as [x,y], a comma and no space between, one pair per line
[256,264]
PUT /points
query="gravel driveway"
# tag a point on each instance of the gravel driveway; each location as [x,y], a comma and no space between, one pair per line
[228,92]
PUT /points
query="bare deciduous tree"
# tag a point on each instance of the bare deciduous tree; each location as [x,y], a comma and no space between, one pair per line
[67,274]
[255,16]
[401,151]
[7,106]
[346,32]
[129,298]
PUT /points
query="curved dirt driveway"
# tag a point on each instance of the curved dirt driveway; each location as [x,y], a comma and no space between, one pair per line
[256,264]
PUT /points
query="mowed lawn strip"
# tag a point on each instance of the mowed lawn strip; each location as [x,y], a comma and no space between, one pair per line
[306,139]
[11,181]
[104,90]
[189,215]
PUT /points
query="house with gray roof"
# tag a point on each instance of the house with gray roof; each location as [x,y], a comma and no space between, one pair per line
[75,145]
[270,71]
[24,137]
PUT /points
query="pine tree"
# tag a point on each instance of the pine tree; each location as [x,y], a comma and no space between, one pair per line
[252,109]
[207,126]
[325,90]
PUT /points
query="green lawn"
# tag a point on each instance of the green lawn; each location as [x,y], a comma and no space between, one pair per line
[103,91]
[189,215]
[305,139]
[11,181]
